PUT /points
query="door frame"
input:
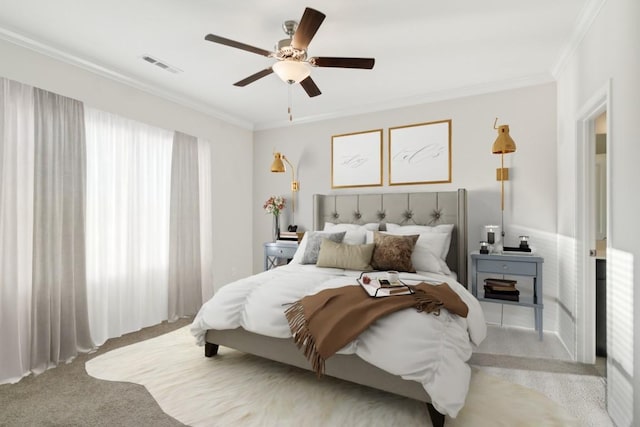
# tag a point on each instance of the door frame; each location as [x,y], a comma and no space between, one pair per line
[586,218]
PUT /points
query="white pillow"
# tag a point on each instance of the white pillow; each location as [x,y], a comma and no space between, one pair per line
[425,260]
[356,233]
[425,255]
[405,230]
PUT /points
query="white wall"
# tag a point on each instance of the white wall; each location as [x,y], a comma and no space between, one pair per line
[233,210]
[530,199]
[608,52]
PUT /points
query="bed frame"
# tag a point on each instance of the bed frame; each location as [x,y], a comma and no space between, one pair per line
[449,207]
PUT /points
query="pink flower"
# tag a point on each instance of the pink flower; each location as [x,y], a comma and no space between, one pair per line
[274,205]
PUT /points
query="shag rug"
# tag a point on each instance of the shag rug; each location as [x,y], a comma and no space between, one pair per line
[236,389]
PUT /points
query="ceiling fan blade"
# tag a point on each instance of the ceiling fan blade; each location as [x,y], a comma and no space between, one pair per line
[309,24]
[252,78]
[310,87]
[328,61]
[238,45]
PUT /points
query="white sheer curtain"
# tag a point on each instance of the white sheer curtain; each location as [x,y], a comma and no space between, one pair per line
[16,228]
[128,196]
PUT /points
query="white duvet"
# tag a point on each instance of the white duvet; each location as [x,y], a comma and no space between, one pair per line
[430,349]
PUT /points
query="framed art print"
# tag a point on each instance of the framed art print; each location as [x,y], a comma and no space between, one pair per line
[420,153]
[356,159]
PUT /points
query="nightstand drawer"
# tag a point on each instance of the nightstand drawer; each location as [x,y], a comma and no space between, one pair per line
[280,251]
[503,266]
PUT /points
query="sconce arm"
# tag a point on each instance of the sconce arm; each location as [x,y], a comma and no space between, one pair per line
[295,185]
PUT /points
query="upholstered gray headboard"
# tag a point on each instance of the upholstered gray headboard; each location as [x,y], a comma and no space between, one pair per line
[429,208]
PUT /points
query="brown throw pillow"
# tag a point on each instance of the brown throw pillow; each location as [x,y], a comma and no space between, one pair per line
[393,252]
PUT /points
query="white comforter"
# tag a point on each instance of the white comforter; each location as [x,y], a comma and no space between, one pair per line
[430,349]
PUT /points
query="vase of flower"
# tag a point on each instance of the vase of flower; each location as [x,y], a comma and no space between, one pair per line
[276,227]
[274,205]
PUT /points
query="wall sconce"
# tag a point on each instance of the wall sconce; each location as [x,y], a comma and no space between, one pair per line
[502,145]
[278,166]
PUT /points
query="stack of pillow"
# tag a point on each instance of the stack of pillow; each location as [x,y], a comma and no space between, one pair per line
[408,248]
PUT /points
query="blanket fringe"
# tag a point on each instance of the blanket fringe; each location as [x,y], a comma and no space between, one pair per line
[427,303]
[303,338]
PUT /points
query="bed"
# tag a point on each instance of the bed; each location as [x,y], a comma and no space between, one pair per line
[248,314]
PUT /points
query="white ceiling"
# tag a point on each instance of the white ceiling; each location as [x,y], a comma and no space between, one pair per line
[424,49]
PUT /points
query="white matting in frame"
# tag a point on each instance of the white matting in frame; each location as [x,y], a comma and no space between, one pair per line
[420,153]
[356,159]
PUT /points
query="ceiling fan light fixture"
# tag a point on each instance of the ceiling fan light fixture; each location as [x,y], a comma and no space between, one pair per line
[291,71]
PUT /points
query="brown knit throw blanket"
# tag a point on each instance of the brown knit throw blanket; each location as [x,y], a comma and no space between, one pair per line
[323,323]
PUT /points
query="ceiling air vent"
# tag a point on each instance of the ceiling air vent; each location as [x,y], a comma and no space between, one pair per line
[161,64]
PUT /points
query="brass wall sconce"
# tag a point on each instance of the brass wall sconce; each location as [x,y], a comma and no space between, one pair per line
[502,145]
[278,166]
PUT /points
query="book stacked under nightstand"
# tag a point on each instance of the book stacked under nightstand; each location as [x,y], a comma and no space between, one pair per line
[503,289]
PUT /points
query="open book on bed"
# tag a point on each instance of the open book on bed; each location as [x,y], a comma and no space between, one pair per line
[377,287]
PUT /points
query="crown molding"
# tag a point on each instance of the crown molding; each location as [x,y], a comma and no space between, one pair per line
[584,21]
[443,95]
[57,54]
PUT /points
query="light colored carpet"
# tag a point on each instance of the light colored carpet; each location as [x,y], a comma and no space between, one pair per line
[582,395]
[235,389]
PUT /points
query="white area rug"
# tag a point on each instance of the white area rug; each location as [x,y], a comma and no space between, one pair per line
[235,389]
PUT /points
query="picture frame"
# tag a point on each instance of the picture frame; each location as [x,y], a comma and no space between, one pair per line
[356,159]
[420,153]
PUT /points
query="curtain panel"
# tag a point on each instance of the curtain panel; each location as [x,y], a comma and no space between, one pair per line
[205,185]
[16,228]
[185,282]
[60,325]
[128,204]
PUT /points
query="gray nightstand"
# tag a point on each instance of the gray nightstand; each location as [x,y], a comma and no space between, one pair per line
[511,265]
[277,253]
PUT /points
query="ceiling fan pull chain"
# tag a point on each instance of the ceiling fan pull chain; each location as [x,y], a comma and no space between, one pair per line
[290,108]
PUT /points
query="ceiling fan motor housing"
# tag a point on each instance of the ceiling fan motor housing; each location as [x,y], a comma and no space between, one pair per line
[289,27]
[284,50]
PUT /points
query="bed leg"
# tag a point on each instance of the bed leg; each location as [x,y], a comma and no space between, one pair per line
[210,349]
[437,419]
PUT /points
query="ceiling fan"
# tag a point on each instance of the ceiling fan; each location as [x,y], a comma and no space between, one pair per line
[292,64]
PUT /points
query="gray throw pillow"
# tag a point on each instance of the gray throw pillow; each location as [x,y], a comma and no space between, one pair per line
[314,240]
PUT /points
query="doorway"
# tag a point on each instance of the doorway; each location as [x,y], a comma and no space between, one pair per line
[599,192]
[592,220]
